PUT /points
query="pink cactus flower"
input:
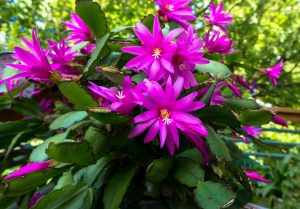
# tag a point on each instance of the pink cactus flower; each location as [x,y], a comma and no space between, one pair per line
[88,49]
[166,115]
[217,43]
[34,63]
[252,131]
[38,166]
[274,72]
[216,99]
[278,120]
[242,81]
[78,30]
[155,54]
[122,101]
[235,89]
[176,11]
[186,57]
[255,176]
[61,55]
[218,17]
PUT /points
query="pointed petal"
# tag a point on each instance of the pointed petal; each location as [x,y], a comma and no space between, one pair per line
[145,116]
[162,133]
[185,118]
[173,34]
[136,50]
[178,85]
[140,128]
[152,132]
[157,32]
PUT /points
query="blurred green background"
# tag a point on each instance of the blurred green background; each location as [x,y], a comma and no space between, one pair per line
[264,31]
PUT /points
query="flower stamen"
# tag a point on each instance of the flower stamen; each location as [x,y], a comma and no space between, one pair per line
[165,115]
[169,7]
[120,95]
[157,53]
[182,67]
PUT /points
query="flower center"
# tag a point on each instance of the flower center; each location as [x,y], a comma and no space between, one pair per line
[157,53]
[178,59]
[120,95]
[100,99]
[169,7]
[182,67]
[165,115]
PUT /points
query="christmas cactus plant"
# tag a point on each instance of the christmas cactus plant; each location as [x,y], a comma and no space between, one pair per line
[115,118]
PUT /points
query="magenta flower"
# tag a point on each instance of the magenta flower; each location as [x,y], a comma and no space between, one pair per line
[78,30]
[34,64]
[122,101]
[176,11]
[217,43]
[61,56]
[38,166]
[242,81]
[46,104]
[165,115]
[218,17]
[278,120]
[274,72]
[252,131]
[187,55]
[88,49]
[155,54]
[216,98]
[255,176]
[11,84]
[235,89]
[34,199]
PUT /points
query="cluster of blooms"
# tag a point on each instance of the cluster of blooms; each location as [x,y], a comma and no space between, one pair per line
[168,60]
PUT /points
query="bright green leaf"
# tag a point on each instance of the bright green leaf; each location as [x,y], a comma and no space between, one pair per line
[96,55]
[255,117]
[216,69]
[107,116]
[211,195]
[97,140]
[98,174]
[117,186]
[241,104]
[188,172]
[65,179]
[217,145]
[207,96]
[159,169]
[219,116]
[76,95]
[80,153]
[77,196]
[192,154]
[68,119]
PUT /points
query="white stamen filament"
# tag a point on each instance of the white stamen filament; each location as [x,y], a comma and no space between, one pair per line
[120,95]
[157,53]
[167,121]
[165,115]
[169,7]
[182,66]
